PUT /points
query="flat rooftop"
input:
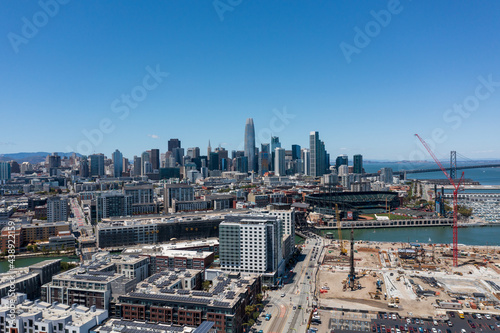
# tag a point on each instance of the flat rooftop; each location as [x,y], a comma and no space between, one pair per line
[172,246]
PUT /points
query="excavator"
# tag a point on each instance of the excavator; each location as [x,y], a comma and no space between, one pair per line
[343,250]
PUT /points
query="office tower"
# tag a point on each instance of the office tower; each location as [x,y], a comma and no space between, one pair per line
[84,171]
[125,164]
[241,164]
[57,209]
[117,163]
[318,155]
[275,143]
[358,164]
[386,175]
[154,158]
[250,243]
[193,152]
[209,149]
[213,161]
[26,167]
[144,158]
[306,160]
[295,152]
[96,165]
[54,160]
[279,162]
[178,154]
[341,160]
[223,157]
[14,167]
[173,143]
[177,192]
[4,171]
[264,158]
[250,144]
[147,168]
[137,166]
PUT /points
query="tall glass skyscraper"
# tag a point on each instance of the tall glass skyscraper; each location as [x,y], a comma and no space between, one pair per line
[318,155]
[358,164]
[250,144]
[117,163]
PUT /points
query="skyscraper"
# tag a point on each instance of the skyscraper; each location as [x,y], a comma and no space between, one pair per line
[279,162]
[4,171]
[275,143]
[341,160]
[144,159]
[174,143]
[264,158]
[295,152]
[137,166]
[154,158]
[250,144]
[117,163]
[96,165]
[318,155]
[358,164]
[306,160]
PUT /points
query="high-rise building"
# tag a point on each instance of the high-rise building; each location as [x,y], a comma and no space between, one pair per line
[306,161]
[154,158]
[193,152]
[178,154]
[173,143]
[241,164]
[14,167]
[318,155]
[144,158]
[386,175]
[264,156]
[117,163]
[113,203]
[275,143]
[96,165]
[54,160]
[358,163]
[341,160]
[137,166]
[279,162]
[250,243]
[295,152]
[4,171]
[57,209]
[213,161]
[84,167]
[27,167]
[250,144]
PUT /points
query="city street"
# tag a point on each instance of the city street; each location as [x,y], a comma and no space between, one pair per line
[290,306]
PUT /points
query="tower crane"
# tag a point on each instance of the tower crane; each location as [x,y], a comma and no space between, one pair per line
[456,188]
[343,251]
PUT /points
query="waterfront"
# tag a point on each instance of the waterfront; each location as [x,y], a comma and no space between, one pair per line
[23,262]
[478,235]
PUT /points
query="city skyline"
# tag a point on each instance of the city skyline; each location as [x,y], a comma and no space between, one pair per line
[293,69]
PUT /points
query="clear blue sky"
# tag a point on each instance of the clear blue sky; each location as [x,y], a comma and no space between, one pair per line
[263,56]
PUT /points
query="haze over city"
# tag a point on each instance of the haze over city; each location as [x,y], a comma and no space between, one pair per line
[367,76]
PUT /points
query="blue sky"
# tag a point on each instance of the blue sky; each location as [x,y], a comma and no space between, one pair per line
[259,59]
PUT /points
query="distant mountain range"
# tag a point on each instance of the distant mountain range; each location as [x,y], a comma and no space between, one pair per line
[30,157]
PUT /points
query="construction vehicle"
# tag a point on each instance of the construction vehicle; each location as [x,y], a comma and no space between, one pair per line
[376,295]
[343,250]
[396,299]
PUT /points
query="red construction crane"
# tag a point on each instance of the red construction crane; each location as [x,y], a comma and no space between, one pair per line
[456,188]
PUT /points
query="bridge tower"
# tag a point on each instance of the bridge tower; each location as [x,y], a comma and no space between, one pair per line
[453,164]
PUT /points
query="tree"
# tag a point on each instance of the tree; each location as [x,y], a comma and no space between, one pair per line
[249,309]
[206,285]
[259,298]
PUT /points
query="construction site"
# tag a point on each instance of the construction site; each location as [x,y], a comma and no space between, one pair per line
[409,277]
